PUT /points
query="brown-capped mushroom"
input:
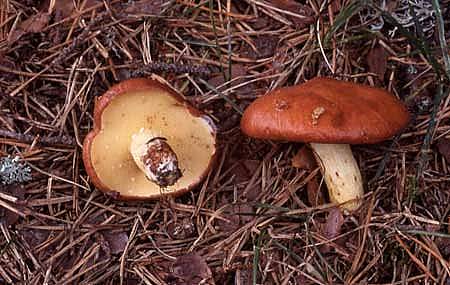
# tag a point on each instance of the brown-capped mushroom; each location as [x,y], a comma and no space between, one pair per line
[329,114]
[147,141]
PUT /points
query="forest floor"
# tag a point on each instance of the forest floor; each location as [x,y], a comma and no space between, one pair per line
[258,218]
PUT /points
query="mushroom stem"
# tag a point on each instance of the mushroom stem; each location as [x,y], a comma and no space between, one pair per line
[154,156]
[341,174]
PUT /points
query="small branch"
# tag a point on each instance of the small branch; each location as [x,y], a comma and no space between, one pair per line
[62,140]
[78,40]
[170,68]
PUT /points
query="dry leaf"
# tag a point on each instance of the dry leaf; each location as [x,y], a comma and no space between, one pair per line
[253,192]
[334,223]
[132,281]
[18,191]
[33,24]
[65,8]
[302,279]
[315,196]
[34,237]
[68,260]
[240,173]
[332,227]
[99,238]
[266,46]
[336,6]
[243,277]
[304,159]
[377,61]
[444,246]
[260,22]
[117,241]
[297,8]
[237,215]
[391,5]
[443,146]
[244,169]
[153,7]
[182,229]
[190,269]
[9,77]
[237,70]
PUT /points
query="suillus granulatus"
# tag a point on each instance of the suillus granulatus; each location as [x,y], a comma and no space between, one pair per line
[329,115]
[147,141]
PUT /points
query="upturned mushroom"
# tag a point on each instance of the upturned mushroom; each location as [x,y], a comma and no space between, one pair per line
[147,141]
[329,115]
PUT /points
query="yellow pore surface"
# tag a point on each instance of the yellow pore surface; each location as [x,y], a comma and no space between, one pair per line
[190,137]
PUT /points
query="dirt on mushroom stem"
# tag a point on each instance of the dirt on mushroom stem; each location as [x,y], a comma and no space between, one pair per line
[154,156]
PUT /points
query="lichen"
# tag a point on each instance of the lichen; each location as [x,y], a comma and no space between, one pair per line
[11,171]
[423,10]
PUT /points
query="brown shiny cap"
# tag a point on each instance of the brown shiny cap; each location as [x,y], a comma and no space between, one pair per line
[325,110]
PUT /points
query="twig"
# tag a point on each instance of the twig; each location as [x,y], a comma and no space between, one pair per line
[78,40]
[170,68]
[57,140]
[225,97]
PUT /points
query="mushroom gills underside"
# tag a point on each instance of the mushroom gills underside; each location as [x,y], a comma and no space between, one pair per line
[190,137]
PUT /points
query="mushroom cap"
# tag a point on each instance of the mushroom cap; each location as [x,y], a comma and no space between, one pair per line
[146,103]
[325,110]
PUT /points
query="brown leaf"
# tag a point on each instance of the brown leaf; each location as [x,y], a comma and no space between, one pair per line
[334,223]
[253,192]
[237,215]
[132,281]
[68,260]
[260,22]
[240,173]
[243,277]
[106,249]
[117,241]
[145,7]
[302,10]
[251,165]
[332,227]
[392,5]
[182,229]
[302,279]
[33,24]
[443,146]
[265,45]
[237,70]
[9,77]
[304,159]
[190,269]
[34,237]
[336,5]
[18,191]
[377,61]
[65,8]
[315,196]
[244,169]
[444,246]
[432,228]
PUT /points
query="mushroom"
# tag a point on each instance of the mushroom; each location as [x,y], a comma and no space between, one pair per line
[329,114]
[147,141]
